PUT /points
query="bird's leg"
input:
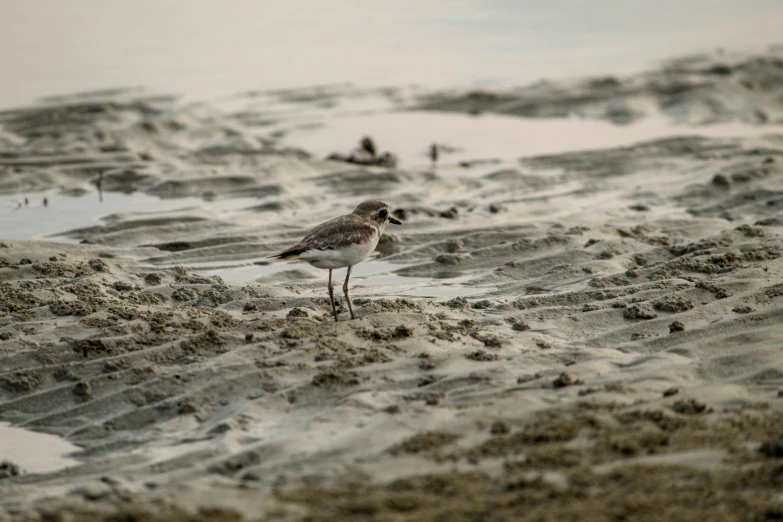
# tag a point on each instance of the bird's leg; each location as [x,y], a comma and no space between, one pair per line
[345,291]
[331,296]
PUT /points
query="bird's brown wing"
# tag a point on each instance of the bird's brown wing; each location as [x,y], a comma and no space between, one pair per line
[336,233]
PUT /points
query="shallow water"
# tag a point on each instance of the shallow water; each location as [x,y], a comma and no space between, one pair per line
[372,277]
[244,272]
[408,134]
[207,49]
[63,213]
[35,452]
[465,137]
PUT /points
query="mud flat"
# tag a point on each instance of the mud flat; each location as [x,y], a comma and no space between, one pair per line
[583,335]
[700,89]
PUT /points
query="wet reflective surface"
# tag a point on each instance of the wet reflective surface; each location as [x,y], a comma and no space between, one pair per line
[208,49]
[35,452]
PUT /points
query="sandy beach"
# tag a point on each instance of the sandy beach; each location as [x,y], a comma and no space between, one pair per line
[590,333]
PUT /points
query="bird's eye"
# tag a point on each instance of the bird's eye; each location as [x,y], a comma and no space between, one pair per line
[383,213]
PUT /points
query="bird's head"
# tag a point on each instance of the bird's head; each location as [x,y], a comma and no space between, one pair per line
[377,211]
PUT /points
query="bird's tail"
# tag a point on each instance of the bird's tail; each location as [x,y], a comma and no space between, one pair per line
[288,254]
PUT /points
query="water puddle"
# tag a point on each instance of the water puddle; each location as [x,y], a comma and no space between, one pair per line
[370,278]
[409,134]
[394,285]
[35,452]
[45,215]
[60,213]
[48,215]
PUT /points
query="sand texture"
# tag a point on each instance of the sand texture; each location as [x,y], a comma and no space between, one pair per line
[697,89]
[588,335]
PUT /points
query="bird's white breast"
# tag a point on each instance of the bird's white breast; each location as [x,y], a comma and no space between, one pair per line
[340,257]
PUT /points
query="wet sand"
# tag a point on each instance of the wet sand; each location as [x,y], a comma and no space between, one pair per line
[583,335]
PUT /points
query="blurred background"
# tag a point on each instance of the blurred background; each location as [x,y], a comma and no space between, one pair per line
[205,49]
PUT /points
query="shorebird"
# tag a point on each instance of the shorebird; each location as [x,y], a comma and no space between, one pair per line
[343,242]
[368,145]
[434,154]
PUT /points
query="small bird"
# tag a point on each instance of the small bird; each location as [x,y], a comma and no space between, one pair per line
[343,242]
[368,145]
[434,154]
[98,182]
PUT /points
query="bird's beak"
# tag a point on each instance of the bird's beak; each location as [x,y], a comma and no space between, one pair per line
[394,221]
